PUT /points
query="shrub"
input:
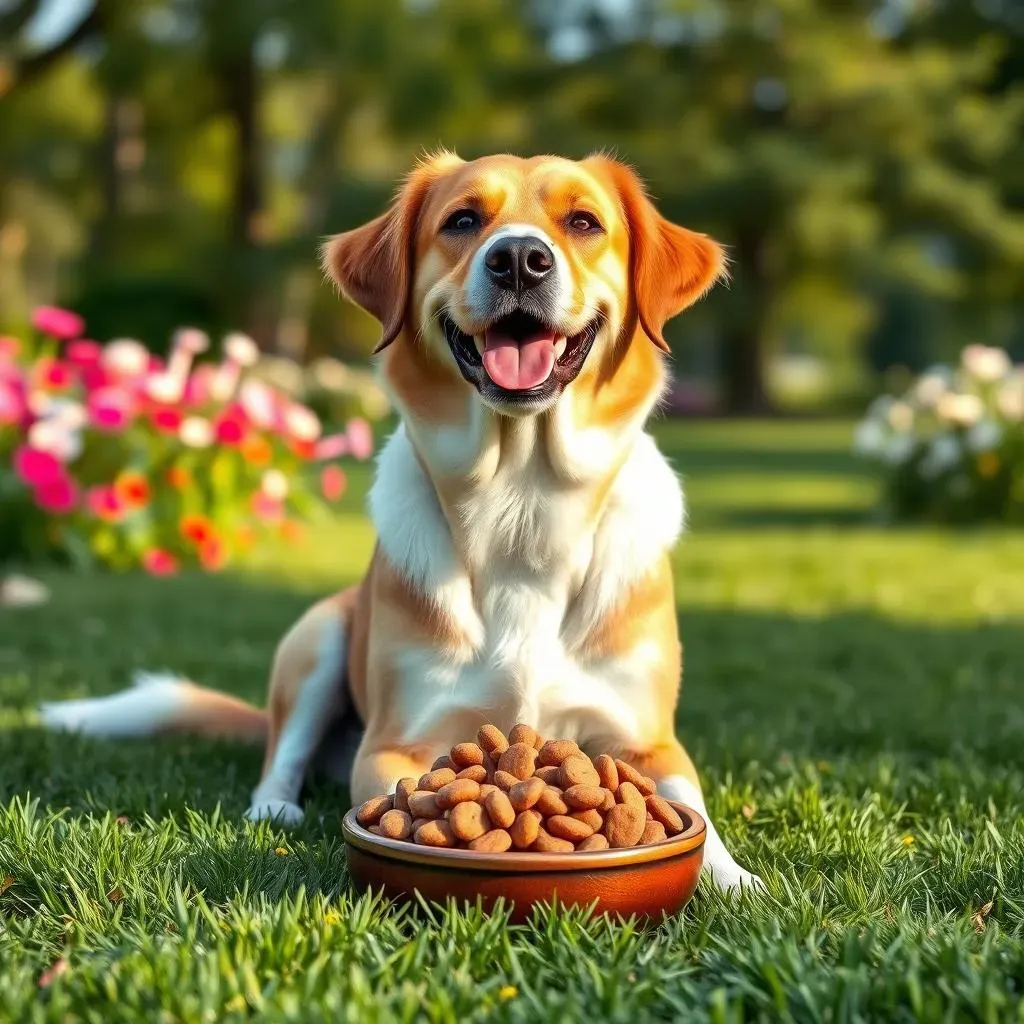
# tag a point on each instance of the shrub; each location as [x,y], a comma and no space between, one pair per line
[112,456]
[952,447]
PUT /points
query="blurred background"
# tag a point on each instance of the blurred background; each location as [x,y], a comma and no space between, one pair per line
[177,161]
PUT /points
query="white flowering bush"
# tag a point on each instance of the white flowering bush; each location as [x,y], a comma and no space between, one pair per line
[952,447]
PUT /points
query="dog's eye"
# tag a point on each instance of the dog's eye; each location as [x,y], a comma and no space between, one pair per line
[584,223]
[462,220]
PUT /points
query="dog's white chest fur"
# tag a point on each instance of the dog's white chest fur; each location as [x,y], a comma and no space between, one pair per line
[526,578]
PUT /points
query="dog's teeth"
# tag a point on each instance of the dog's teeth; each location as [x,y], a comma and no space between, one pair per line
[560,347]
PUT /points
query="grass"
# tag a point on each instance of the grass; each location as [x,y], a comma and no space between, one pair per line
[853,697]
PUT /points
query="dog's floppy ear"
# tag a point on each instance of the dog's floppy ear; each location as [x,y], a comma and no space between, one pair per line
[373,264]
[670,266]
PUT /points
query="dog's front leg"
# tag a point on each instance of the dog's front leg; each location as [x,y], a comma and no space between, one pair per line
[671,768]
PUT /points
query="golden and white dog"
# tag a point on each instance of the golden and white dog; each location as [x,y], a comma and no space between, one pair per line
[524,518]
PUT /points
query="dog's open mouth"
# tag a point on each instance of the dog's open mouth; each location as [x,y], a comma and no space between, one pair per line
[521,353]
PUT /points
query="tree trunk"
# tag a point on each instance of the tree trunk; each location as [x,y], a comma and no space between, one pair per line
[744,387]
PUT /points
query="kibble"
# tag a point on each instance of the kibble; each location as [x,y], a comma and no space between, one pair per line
[523,792]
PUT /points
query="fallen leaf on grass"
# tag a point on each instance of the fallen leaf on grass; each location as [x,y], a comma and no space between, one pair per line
[748,811]
[5,883]
[115,895]
[978,919]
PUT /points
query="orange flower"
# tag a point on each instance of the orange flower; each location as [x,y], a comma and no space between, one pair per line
[245,536]
[256,450]
[292,531]
[197,529]
[179,477]
[132,489]
[213,555]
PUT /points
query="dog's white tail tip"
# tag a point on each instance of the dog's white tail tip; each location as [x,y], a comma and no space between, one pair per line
[155,701]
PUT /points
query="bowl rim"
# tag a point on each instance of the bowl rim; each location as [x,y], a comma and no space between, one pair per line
[691,838]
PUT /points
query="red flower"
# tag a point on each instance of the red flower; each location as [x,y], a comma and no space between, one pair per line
[179,477]
[231,426]
[197,529]
[103,503]
[132,490]
[57,322]
[166,420]
[332,482]
[158,562]
[52,373]
[36,468]
[58,497]
[213,554]
[83,352]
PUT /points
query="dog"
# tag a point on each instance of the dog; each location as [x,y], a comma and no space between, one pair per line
[524,517]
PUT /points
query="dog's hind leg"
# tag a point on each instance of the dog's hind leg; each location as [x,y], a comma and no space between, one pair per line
[308,693]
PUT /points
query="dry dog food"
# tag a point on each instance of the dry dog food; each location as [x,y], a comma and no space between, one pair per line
[522,792]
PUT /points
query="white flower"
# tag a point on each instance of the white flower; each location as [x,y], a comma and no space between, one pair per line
[191,340]
[67,412]
[61,441]
[165,388]
[275,484]
[257,400]
[868,438]
[985,363]
[196,432]
[901,417]
[1010,399]
[930,388]
[40,403]
[241,349]
[899,449]
[943,453]
[963,410]
[126,357]
[301,423]
[984,436]
[879,408]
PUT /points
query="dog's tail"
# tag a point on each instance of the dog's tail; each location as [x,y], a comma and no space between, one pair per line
[159,703]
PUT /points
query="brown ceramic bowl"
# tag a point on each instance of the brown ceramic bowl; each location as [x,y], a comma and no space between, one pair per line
[648,881]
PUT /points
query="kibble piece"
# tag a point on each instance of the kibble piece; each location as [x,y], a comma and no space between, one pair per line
[551,774]
[551,801]
[519,760]
[624,825]
[435,779]
[500,808]
[523,795]
[524,829]
[627,773]
[547,843]
[423,804]
[563,827]
[554,752]
[417,822]
[578,771]
[629,794]
[664,812]
[444,761]
[604,764]
[457,792]
[402,791]
[469,821]
[396,824]
[495,841]
[583,798]
[592,818]
[492,740]
[476,772]
[486,788]
[504,780]
[369,813]
[522,733]
[609,801]
[435,833]
[465,754]
[654,832]
[594,842]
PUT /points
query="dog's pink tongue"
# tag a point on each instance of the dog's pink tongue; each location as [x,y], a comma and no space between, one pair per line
[518,365]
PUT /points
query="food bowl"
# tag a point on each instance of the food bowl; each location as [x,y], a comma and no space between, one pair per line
[646,881]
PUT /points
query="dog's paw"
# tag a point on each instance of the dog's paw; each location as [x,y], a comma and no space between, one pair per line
[733,878]
[281,812]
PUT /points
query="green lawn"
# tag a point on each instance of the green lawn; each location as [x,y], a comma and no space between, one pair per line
[854,697]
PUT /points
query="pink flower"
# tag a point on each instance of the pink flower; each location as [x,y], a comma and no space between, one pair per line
[83,352]
[266,508]
[102,501]
[331,447]
[57,322]
[158,562]
[360,438]
[332,482]
[93,376]
[36,468]
[9,347]
[197,388]
[111,408]
[52,373]
[12,404]
[231,426]
[167,421]
[260,403]
[59,497]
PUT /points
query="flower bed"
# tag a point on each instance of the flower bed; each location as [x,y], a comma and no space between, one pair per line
[952,447]
[111,456]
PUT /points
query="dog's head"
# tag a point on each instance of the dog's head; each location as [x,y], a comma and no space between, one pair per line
[521,279]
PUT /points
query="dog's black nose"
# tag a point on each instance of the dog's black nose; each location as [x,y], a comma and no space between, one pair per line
[519,263]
